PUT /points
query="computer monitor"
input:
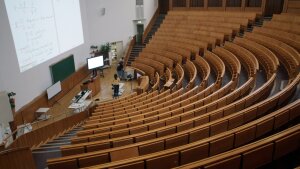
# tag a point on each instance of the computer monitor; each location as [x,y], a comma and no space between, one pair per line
[95,62]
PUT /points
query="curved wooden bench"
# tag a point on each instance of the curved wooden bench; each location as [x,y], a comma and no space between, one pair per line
[204,69]
[227,32]
[206,34]
[150,71]
[294,19]
[248,59]
[268,149]
[164,60]
[292,28]
[249,15]
[231,61]
[242,21]
[104,114]
[109,102]
[211,41]
[219,94]
[287,55]
[159,67]
[202,45]
[261,53]
[232,26]
[177,44]
[143,84]
[156,84]
[260,131]
[286,37]
[218,66]
[176,57]
[180,74]
[190,67]
[125,103]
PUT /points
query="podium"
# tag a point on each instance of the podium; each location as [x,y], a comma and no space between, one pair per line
[92,84]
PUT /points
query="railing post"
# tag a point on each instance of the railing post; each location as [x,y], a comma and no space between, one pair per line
[224,4]
[285,5]
[243,5]
[187,4]
[263,7]
[170,4]
[205,4]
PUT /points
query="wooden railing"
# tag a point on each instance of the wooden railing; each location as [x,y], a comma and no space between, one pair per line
[150,24]
[128,50]
[36,137]
[20,158]
[259,6]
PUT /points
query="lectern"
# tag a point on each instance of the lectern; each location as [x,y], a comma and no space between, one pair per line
[92,84]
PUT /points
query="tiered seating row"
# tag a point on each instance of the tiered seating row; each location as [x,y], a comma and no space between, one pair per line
[204,69]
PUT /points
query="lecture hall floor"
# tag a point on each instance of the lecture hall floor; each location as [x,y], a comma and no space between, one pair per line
[60,109]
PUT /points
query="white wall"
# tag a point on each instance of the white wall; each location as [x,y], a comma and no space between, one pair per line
[34,81]
[149,9]
[116,25]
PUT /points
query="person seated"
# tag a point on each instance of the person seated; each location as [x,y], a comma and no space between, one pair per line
[115,84]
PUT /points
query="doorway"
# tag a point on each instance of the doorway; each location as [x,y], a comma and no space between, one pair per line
[163,6]
[140,32]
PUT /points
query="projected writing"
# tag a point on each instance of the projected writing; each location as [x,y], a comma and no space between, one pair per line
[39,30]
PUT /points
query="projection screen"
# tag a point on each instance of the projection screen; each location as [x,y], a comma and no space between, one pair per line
[43,29]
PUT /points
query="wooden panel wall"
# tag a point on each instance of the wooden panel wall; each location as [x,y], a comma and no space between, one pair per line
[19,158]
[27,113]
[37,136]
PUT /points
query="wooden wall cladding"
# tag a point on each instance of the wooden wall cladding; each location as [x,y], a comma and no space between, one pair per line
[27,113]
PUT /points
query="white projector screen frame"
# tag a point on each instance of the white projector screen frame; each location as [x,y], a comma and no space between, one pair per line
[53,90]
[43,29]
[95,62]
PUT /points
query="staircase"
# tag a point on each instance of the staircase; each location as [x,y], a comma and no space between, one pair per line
[257,23]
[51,149]
[137,48]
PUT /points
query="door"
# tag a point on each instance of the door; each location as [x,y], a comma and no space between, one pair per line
[163,6]
[140,32]
[273,7]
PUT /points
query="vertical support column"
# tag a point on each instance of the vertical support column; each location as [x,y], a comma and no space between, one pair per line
[243,5]
[170,5]
[187,4]
[285,5]
[205,4]
[263,7]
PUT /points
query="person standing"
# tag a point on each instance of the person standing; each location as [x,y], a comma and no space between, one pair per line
[115,84]
[120,70]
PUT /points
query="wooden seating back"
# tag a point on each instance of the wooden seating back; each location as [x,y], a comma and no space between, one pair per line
[291,28]
[286,37]
[164,60]
[150,71]
[159,67]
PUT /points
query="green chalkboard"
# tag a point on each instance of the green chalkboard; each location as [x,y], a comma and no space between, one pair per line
[62,69]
